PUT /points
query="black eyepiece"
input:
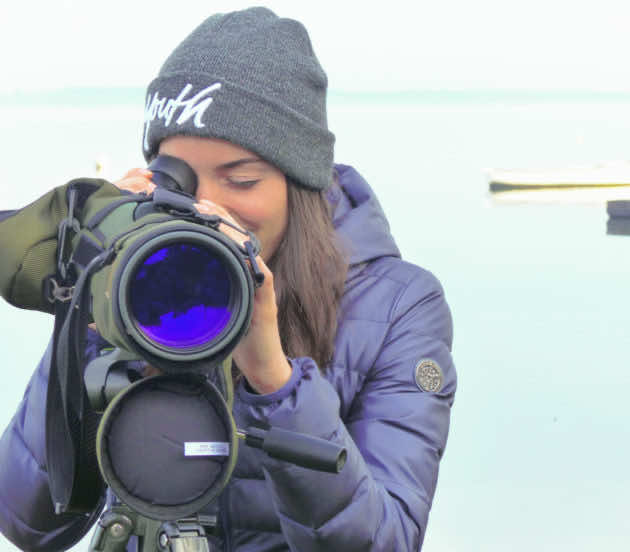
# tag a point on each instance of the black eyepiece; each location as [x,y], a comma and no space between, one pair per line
[173,174]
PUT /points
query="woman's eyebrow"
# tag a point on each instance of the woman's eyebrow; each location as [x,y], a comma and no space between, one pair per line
[240,162]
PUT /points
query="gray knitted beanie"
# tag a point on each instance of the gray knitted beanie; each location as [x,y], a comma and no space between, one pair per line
[251,78]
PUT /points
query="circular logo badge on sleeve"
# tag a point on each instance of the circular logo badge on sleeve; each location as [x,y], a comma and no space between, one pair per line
[428,375]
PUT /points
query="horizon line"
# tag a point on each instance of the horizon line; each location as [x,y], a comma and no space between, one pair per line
[131,94]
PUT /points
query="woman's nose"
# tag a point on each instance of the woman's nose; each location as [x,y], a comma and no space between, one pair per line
[206,189]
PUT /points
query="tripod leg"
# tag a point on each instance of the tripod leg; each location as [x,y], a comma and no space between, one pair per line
[112,532]
[182,536]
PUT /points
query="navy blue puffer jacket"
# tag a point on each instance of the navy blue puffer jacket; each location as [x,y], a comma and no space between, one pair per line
[376,398]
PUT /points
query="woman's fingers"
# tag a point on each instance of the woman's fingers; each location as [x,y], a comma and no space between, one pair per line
[136,171]
[207,207]
[137,181]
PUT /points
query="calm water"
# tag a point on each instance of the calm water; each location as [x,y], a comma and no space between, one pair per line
[540,445]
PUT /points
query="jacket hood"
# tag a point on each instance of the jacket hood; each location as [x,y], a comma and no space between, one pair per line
[359,220]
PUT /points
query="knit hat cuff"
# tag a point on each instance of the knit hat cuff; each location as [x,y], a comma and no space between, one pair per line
[295,144]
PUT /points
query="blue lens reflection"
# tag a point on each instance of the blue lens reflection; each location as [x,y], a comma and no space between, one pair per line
[180,296]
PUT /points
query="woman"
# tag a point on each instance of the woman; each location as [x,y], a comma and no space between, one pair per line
[347,341]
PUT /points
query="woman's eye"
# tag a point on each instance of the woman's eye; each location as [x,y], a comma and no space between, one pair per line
[242,184]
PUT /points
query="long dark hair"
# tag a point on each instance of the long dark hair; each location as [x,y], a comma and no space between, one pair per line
[309,269]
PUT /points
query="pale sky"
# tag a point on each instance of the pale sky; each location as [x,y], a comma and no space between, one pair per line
[398,44]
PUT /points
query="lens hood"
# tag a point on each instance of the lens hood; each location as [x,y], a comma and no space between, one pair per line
[167,445]
[179,294]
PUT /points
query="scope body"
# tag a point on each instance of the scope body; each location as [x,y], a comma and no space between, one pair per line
[175,291]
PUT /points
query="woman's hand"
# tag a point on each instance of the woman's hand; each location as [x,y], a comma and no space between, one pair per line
[258,355]
[136,181]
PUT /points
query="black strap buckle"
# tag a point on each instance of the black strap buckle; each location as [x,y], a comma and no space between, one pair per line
[57,293]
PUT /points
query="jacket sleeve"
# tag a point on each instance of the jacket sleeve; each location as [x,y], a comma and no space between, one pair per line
[27,516]
[395,434]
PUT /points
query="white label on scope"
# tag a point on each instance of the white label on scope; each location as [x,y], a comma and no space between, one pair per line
[206,449]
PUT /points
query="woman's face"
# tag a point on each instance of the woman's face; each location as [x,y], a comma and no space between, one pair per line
[251,190]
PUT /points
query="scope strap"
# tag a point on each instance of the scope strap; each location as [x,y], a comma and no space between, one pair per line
[71,423]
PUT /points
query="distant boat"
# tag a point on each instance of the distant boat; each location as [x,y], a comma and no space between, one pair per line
[595,183]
